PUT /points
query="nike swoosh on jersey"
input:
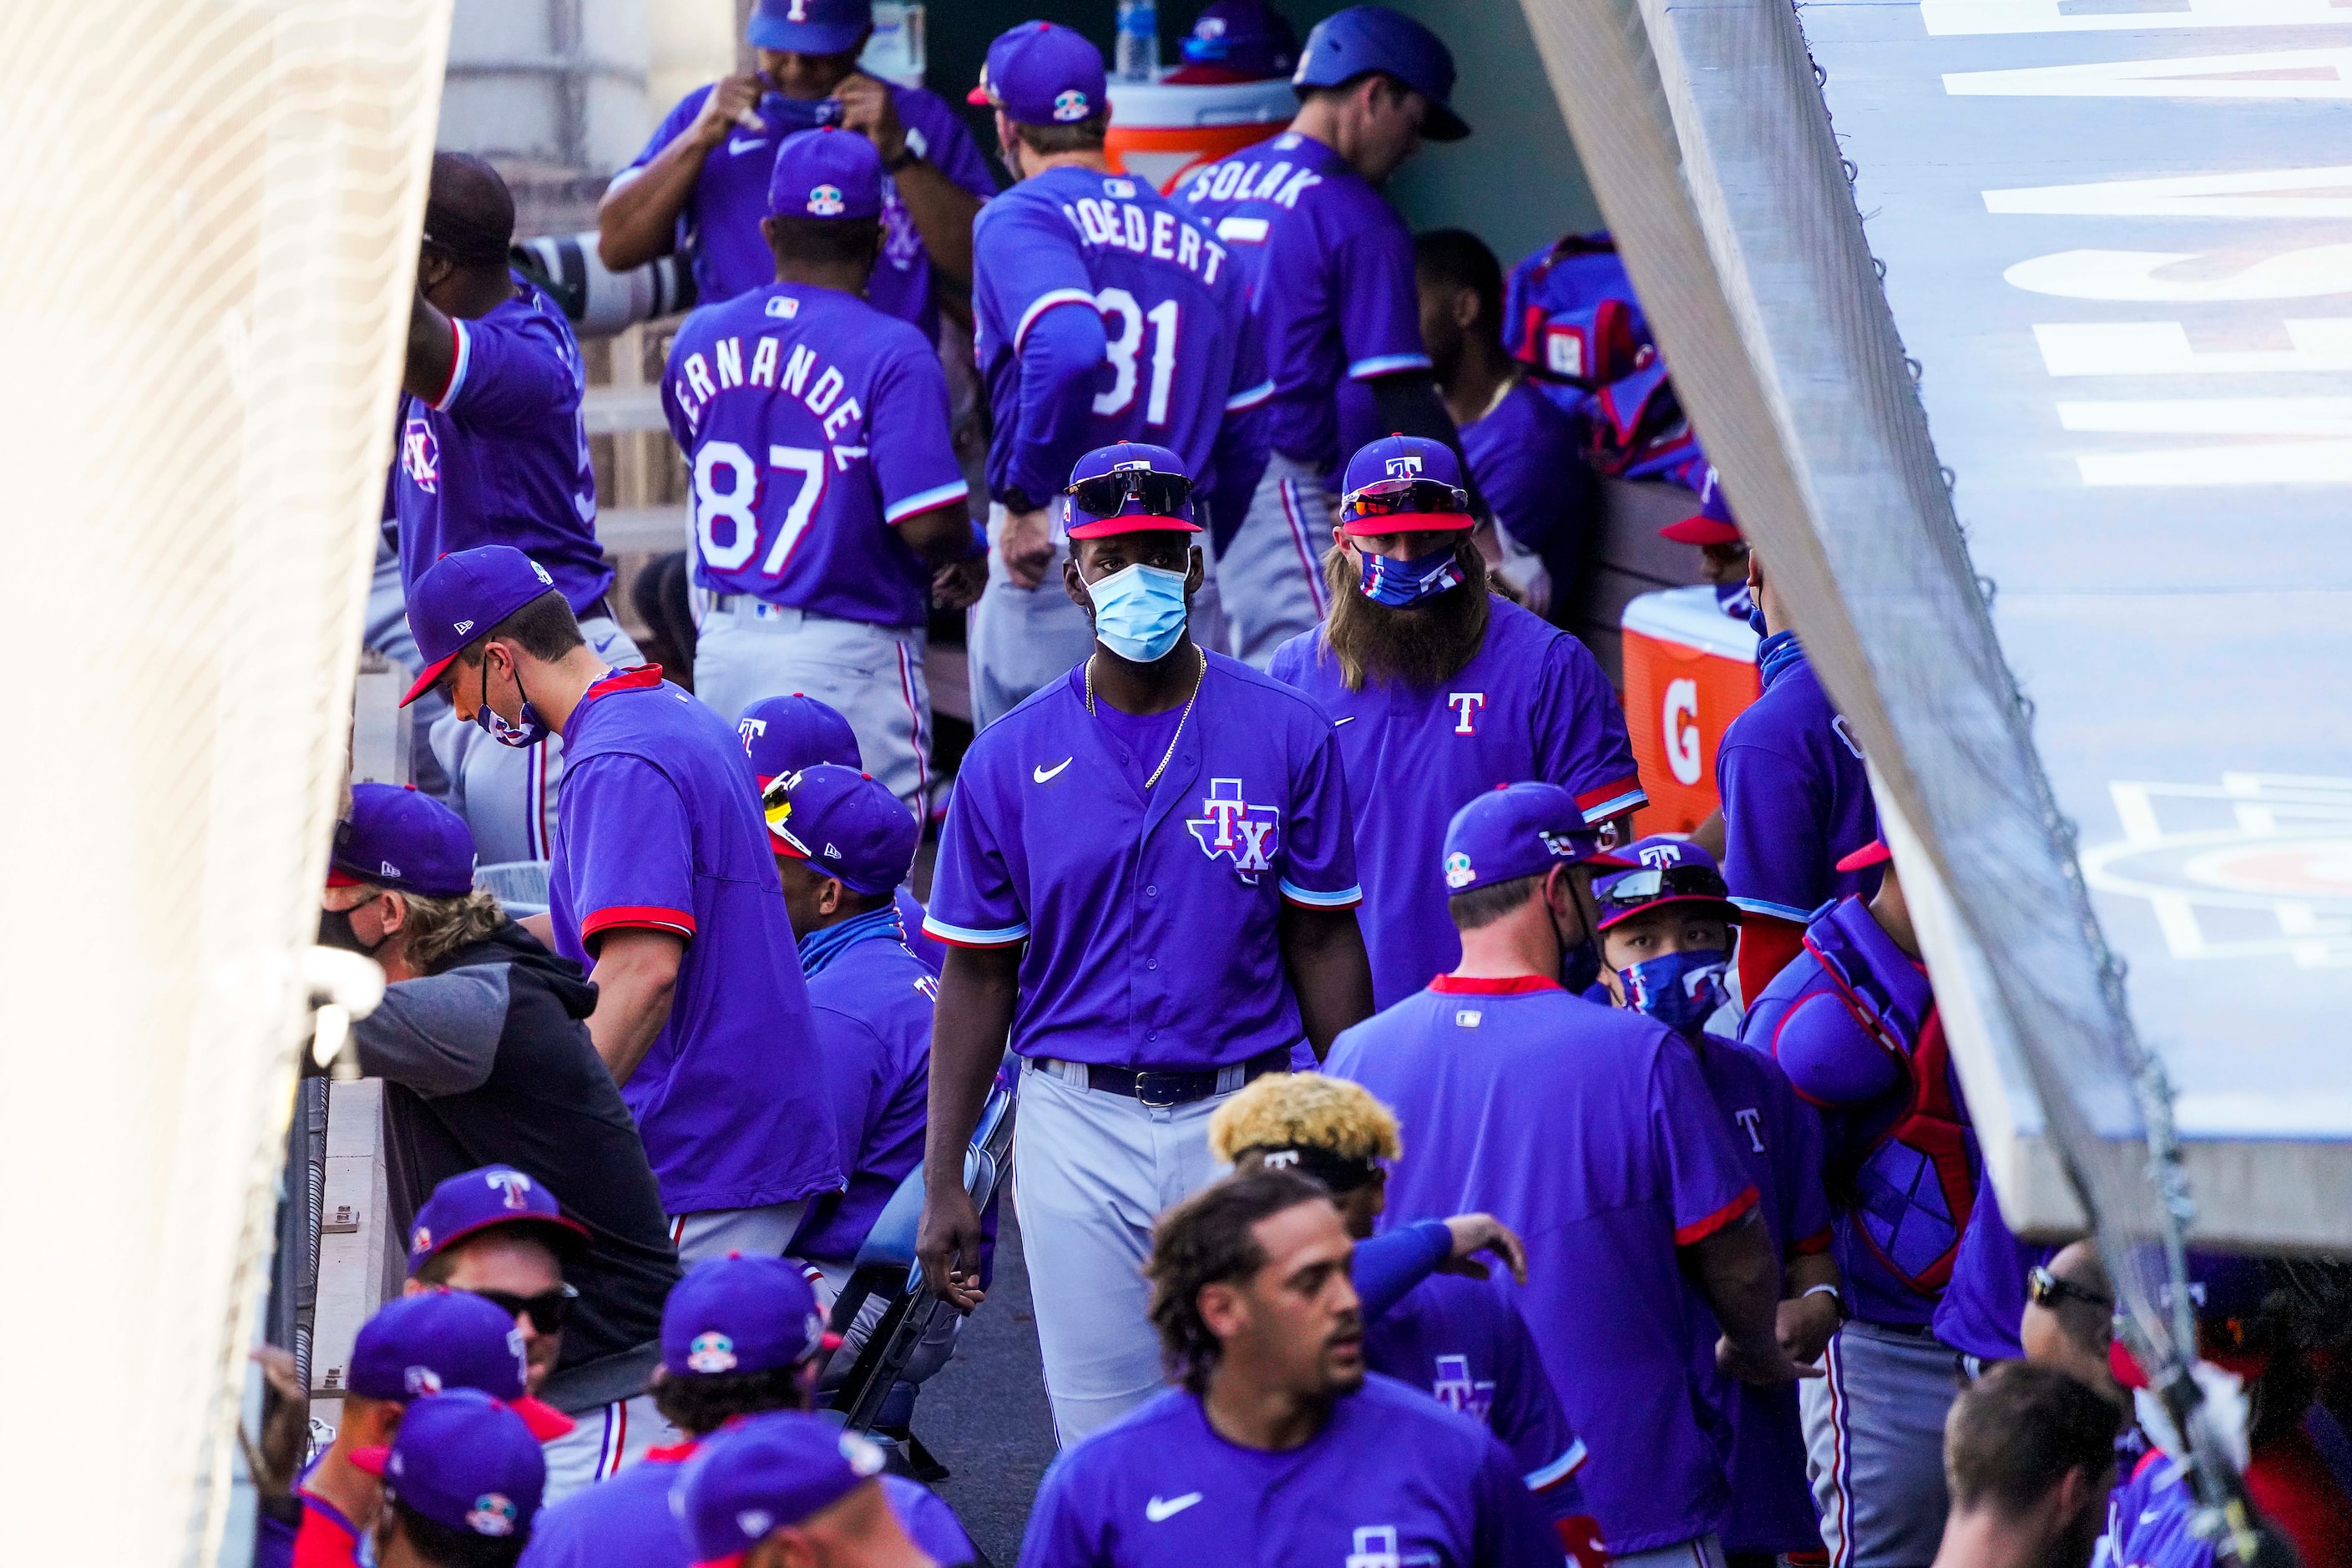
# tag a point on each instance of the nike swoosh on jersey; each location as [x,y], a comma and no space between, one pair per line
[1047,776]
[737,145]
[1156,1509]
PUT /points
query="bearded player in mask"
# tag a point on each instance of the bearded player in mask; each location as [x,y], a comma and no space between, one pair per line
[1439,691]
[1147,877]
[1666,925]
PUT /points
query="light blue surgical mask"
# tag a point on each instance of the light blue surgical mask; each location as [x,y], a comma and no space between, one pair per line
[1140,612]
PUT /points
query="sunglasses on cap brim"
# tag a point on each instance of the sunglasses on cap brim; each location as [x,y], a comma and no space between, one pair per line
[1401,498]
[1106,495]
[1647,886]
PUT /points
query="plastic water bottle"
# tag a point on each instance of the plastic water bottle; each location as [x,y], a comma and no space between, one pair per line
[1138,40]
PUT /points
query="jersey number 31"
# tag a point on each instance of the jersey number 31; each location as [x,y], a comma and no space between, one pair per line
[1126,344]
[727,499]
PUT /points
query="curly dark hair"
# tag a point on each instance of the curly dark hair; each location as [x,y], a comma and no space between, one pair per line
[1205,1240]
[701,1405]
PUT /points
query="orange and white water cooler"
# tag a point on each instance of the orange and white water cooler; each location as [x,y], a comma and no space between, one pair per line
[1163,132]
[1689,670]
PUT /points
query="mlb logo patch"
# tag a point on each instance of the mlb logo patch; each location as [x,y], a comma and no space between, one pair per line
[1070,104]
[826,201]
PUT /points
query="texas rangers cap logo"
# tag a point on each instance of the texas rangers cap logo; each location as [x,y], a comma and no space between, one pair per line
[1070,104]
[754,1522]
[826,201]
[511,1185]
[420,455]
[1458,873]
[1563,845]
[420,1381]
[1404,468]
[1661,855]
[492,1514]
[711,1352]
[1230,829]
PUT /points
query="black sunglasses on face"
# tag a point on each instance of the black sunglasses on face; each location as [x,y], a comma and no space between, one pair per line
[549,1310]
[1399,498]
[2047,1291]
[1638,887]
[1162,495]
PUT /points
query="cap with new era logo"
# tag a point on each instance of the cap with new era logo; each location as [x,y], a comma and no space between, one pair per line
[1041,73]
[738,1314]
[461,597]
[397,837]
[760,1475]
[441,1341]
[844,823]
[1517,830]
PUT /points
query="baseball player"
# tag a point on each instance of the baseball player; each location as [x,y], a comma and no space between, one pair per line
[1666,942]
[702,180]
[463,1480]
[1796,798]
[785,734]
[2031,1455]
[1278,1445]
[1330,273]
[1525,453]
[1980,1306]
[1440,690]
[788,1489]
[1103,315]
[1851,1020]
[1723,552]
[740,1337]
[1453,1335]
[1147,877]
[826,492]
[1590,1132]
[663,880]
[492,452]
[416,1347]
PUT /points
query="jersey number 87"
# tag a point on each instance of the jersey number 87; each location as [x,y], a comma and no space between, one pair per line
[734,509]
[1126,344]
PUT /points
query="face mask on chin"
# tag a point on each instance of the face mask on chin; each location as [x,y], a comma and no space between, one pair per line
[1140,612]
[530,732]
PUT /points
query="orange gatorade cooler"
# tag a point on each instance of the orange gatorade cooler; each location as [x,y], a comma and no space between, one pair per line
[1163,133]
[1689,669]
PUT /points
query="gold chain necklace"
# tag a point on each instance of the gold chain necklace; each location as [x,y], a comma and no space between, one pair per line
[1197,681]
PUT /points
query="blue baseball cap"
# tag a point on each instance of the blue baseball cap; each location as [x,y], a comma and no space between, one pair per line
[1041,73]
[827,172]
[1130,487]
[444,1340]
[738,1314]
[1662,871]
[785,734]
[476,1199]
[1347,44]
[1403,484]
[1712,523]
[844,823]
[464,1461]
[1236,41]
[461,597]
[1517,830]
[809,27]
[762,1475]
[398,838]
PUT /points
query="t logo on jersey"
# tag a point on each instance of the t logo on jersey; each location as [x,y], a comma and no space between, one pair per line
[1749,1120]
[1456,1390]
[1230,829]
[1376,1547]
[1463,703]
[420,455]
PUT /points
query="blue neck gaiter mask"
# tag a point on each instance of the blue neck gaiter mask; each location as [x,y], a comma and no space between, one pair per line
[1680,990]
[1398,583]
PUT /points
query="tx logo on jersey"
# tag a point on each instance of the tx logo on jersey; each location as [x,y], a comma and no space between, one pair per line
[1456,1390]
[1229,828]
[420,455]
[1463,703]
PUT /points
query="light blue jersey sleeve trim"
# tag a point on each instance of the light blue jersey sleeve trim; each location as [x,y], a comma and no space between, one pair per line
[1242,402]
[1615,804]
[1777,911]
[461,362]
[1042,303]
[1559,1469]
[1345,899]
[938,496]
[964,936]
[1386,364]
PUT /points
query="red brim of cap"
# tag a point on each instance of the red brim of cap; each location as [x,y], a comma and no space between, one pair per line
[1700,530]
[1874,853]
[977,97]
[372,1460]
[545,1421]
[735,1560]
[574,1235]
[425,681]
[1729,910]
[1213,75]
[1405,523]
[338,878]
[1601,859]
[1133,523]
[2124,1366]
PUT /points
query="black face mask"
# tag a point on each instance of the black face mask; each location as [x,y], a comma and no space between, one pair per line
[1580,965]
[335,930]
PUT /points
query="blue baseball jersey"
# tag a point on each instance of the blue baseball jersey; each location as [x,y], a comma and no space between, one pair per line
[500,456]
[1329,269]
[1780,1142]
[1591,1131]
[659,828]
[1532,703]
[627,1520]
[1148,919]
[721,221]
[1459,1338]
[1392,1479]
[1529,459]
[1180,354]
[1985,1302]
[1796,794]
[2151,1519]
[812,423]
[870,1001]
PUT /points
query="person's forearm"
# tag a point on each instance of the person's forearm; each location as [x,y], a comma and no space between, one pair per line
[1740,1276]
[978,988]
[1805,1270]
[942,212]
[431,352]
[1387,1266]
[633,1003]
[637,221]
[1323,954]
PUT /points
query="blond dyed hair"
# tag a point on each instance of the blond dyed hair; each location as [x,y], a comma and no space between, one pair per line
[1310,1110]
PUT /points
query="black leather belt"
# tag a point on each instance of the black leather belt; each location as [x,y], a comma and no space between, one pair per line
[1161,1091]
